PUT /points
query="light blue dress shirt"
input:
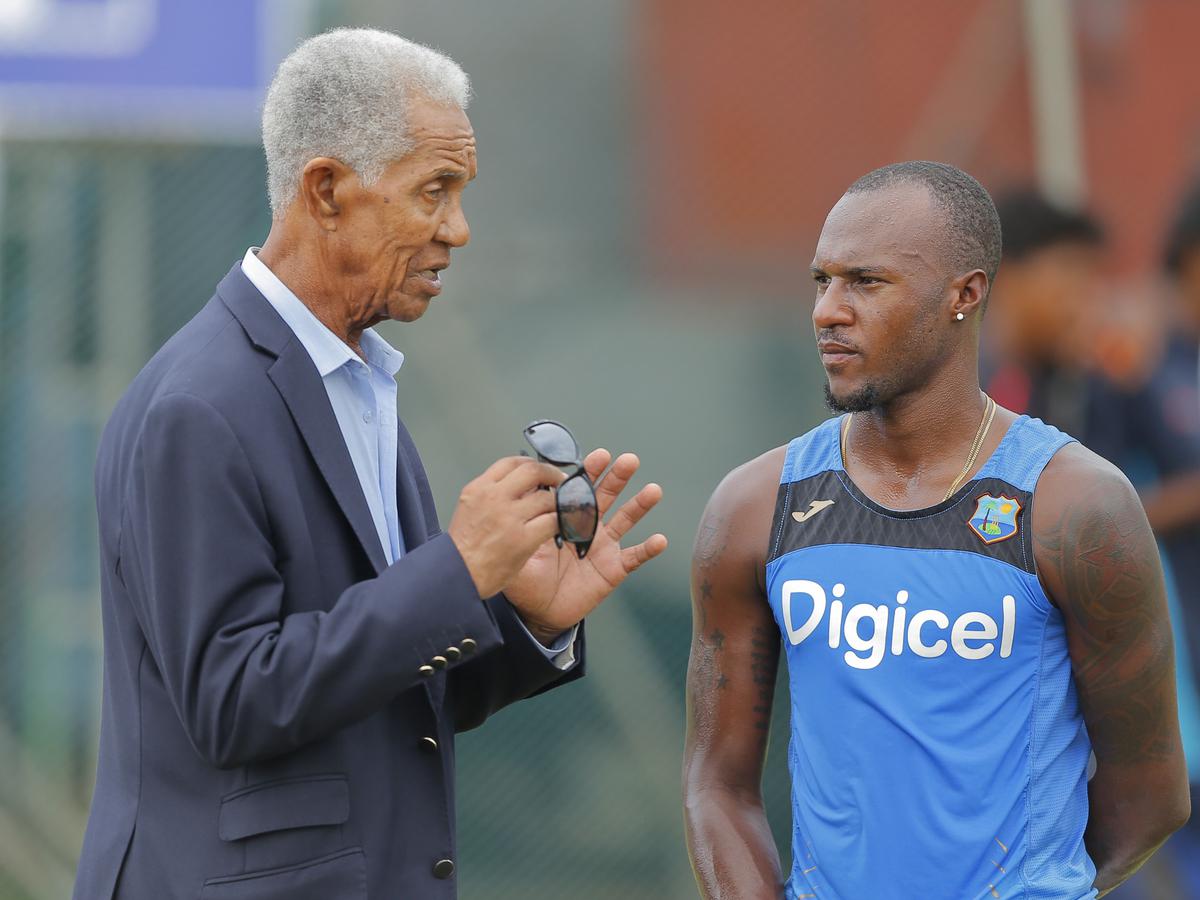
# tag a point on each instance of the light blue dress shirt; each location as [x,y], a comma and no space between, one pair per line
[363,396]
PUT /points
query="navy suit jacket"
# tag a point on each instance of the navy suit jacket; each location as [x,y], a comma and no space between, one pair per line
[279,704]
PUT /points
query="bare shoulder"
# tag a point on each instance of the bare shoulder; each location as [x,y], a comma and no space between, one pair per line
[1073,470]
[1085,506]
[1099,563]
[1095,552]
[736,524]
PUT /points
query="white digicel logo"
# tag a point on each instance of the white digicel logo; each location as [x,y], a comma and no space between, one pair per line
[972,636]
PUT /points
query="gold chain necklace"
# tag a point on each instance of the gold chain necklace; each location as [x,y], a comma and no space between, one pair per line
[989,413]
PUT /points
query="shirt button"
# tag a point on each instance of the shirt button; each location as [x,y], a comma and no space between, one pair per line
[367,417]
[439,662]
[426,671]
[453,654]
[429,745]
[443,868]
[468,646]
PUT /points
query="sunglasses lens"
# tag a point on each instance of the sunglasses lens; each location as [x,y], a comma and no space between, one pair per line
[577,513]
[553,443]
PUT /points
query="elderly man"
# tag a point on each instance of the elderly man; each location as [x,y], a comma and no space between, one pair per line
[291,642]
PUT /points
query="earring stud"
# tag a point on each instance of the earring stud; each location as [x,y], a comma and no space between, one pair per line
[960,317]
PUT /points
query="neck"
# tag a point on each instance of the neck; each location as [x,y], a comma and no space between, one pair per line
[918,432]
[291,262]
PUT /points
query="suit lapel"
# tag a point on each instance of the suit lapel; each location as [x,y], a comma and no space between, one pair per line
[408,505]
[412,489]
[300,385]
[298,382]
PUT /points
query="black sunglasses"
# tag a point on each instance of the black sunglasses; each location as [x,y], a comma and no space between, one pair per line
[578,513]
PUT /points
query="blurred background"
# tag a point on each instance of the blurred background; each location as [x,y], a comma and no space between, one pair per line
[653,176]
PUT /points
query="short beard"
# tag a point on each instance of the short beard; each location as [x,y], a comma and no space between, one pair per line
[863,399]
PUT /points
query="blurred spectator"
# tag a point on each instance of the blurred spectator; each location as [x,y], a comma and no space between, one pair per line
[1049,281]
[1182,262]
[1062,348]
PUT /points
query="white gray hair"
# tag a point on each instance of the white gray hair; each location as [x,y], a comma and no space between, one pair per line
[345,94]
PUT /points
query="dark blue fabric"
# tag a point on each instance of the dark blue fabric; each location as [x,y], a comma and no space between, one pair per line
[254,639]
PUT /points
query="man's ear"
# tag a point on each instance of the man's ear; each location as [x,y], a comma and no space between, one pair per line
[968,292]
[322,183]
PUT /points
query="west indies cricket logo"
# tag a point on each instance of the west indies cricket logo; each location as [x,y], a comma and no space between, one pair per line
[995,518]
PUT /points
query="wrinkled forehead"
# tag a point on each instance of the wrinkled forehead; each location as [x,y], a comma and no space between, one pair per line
[442,135]
[898,227]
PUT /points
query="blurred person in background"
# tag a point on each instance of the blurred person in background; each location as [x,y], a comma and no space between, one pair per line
[955,650]
[1065,348]
[1181,259]
[1180,370]
[290,639]
[1061,349]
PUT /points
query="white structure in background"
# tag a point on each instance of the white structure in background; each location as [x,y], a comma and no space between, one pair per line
[1054,92]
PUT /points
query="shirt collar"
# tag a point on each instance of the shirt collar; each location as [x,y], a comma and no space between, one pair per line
[380,353]
[328,352]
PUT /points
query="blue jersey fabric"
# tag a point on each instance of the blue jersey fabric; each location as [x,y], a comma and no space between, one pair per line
[937,749]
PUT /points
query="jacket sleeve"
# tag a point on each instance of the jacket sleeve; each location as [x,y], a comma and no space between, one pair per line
[247,681]
[516,670]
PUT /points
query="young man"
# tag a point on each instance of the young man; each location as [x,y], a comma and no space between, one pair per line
[970,603]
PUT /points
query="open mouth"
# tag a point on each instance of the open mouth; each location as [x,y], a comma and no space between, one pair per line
[431,280]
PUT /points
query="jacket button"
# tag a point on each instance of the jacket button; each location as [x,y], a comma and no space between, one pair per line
[426,671]
[443,868]
[429,744]
[453,654]
[469,646]
[439,662]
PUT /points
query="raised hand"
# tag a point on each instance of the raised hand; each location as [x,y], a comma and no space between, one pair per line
[502,517]
[555,589]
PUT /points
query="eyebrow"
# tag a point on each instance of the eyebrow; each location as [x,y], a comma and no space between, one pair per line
[452,174]
[851,271]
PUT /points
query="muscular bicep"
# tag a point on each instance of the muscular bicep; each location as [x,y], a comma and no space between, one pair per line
[1098,560]
[735,642]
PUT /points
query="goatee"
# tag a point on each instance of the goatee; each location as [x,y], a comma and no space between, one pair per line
[865,398]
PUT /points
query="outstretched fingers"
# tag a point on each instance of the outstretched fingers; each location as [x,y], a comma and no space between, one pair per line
[596,462]
[633,510]
[615,479]
[632,558]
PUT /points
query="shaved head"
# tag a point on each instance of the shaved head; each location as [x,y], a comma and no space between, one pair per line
[970,233]
[902,270]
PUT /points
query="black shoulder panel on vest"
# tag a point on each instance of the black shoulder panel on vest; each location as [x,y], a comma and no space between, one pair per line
[804,517]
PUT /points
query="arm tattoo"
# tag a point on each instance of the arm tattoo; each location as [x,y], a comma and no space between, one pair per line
[765,658]
[1107,564]
[708,670]
[719,660]
[704,599]
[710,542]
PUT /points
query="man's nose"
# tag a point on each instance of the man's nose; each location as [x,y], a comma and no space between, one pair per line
[832,306]
[454,229]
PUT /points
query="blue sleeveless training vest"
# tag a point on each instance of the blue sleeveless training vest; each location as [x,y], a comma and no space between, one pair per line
[937,749]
